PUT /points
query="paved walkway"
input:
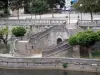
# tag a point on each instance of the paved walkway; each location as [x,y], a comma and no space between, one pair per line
[33,56]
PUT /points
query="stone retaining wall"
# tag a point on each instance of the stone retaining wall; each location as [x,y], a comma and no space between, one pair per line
[92,65]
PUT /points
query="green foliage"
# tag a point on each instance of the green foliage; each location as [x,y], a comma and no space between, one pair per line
[16,4]
[98,32]
[4,33]
[61,3]
[4,36]
[73,40]
[65,65]
[39,6]
[86,38]
[50,3]
[87,6]
[18,31]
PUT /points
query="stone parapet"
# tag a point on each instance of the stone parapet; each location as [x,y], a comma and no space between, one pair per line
[76,64]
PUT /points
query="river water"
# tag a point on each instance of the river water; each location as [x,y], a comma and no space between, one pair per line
[44,72]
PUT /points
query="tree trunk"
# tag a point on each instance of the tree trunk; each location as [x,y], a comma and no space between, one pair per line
[76,51]
[26,6]
[21,38]
[90,52]
[6,7]
[91,16]
[6,47]
[18,13]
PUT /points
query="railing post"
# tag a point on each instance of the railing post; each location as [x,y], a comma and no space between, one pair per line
[78,21]
[96,22]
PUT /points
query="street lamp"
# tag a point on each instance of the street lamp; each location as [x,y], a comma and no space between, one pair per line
[81,11]
[69,14]
[52,12]
[31,9]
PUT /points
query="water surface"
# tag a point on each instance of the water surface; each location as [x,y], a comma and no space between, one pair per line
[43,72]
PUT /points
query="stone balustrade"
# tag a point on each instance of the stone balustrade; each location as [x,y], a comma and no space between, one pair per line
[25,22]
[54,63]
[94,23]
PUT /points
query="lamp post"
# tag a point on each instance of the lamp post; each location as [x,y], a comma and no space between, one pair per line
[81,11]
[69,15]
[31,9]
[52,12]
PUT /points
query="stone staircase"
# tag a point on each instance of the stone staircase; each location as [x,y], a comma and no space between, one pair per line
[73,29]
[20,48]
[63,46]
[40,35]
[31,35]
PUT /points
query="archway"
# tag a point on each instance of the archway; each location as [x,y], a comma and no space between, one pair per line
[59,40]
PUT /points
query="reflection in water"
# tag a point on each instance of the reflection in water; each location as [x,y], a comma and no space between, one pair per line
[65,73]
[43,72]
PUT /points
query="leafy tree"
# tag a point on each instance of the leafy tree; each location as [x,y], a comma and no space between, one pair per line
[98,32]
[73,40]
[4,35]
[53,2]
[85,39]
[18,31]
[87,6]
[4,6]
[27,6]
[61,3]
[16,4]
[39,6]
[13,4]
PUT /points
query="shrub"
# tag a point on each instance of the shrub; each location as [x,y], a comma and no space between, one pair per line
[73,40]
[86,38]
[18,31]
[65,65]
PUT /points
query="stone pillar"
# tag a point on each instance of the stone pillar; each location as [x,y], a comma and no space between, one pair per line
[76,51]
[30,28]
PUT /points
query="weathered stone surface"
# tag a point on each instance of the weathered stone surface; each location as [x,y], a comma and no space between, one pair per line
[54,63]
[76,51]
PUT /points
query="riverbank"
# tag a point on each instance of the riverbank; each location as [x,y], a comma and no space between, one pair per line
[75,64]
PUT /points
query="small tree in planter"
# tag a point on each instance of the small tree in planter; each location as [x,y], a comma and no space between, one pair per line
[86,39]
[4,36]
[19,31]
